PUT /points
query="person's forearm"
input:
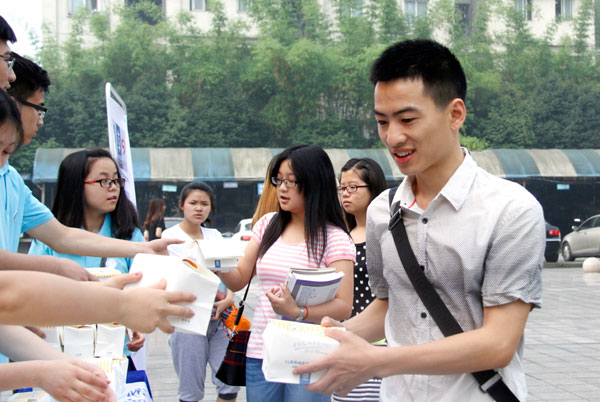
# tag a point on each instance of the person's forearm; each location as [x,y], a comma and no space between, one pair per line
[338,309]
[232,279]
[20,375]
[370,324]
[20,344]
[490,347]
[23,262]
[69,240]
[37,298]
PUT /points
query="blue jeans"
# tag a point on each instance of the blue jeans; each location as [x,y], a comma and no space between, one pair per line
[260,390]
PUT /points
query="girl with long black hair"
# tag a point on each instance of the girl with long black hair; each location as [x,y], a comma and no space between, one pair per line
[308,231]
[89,196]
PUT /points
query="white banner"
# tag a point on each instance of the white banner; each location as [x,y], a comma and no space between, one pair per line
[118,139]
[118,144]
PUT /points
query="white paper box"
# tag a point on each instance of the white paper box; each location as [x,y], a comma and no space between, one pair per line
[290,344]
[110,340]
[53,336]
[78,341]
[218,254]
[180,275]
[115,369]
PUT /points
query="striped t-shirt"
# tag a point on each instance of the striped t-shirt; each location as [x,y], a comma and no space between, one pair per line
[272,268]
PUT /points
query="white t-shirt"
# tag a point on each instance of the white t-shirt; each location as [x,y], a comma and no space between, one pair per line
[183,250]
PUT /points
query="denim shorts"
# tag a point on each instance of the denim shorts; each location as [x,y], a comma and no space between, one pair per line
[259,390]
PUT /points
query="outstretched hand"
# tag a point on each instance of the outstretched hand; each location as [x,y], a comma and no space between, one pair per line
[120,281]
[70,269]
[145,309]
[159,246]
[351,364]
[137,341]
[76,381]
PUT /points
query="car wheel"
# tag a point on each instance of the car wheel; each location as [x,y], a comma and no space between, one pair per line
[552,258]
[566,252]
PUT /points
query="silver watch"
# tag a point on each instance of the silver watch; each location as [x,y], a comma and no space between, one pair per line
[302,313]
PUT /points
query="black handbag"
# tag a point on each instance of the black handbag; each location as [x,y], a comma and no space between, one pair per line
[233,368]
[490,381]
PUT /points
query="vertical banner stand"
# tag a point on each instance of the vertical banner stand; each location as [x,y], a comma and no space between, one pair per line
[118,145]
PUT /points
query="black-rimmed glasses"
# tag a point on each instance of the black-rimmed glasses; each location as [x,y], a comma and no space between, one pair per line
[10,60]
[288,183]
[351,188]
[107,183]
[41,110]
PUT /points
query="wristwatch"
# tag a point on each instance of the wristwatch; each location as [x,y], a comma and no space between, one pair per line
[302,313]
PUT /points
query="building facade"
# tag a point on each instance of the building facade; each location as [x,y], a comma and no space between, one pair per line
[541,15]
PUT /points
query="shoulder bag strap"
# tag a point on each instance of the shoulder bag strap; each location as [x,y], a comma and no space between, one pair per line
[490,381]
[242,303]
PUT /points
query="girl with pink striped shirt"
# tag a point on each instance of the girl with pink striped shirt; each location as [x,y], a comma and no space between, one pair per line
[307,231]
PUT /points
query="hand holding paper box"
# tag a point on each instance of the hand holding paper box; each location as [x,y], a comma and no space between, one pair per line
[288,345]
[217,255]
[180,275]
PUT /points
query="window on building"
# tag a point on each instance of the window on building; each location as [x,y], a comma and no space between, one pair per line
[76,5]
[243,5]
[564,9]
[525,7]
[414,9]
[198,5]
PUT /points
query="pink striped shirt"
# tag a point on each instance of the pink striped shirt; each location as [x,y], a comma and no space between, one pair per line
[273,267]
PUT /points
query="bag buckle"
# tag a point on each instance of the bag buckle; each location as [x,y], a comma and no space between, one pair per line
[493,380]
[395,219]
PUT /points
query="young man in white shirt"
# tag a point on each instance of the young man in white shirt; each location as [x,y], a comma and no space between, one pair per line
[479,239]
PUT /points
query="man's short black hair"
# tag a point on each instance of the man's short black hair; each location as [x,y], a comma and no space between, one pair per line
[30,78]
[6,32]
[441,72]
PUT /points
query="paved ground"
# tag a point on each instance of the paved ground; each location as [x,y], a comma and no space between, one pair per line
[562,343]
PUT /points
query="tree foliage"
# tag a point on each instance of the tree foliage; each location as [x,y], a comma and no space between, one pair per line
[303,79]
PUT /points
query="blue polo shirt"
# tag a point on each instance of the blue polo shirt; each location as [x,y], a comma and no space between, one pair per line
[21,211]
[121,264]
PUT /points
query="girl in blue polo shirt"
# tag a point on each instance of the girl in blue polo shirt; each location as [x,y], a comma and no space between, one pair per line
[89,196]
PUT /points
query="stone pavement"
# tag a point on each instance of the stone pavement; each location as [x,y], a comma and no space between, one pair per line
[562,343]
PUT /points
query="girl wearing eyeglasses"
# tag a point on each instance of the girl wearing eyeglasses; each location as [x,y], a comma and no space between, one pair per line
[308,231]
[89,196]
[361,180]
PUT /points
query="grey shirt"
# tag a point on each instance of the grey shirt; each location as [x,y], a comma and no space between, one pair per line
[481,242]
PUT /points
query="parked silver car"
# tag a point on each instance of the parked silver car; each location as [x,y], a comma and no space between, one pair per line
[583,241]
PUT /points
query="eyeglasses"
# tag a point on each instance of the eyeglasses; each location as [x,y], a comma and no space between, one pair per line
[10,60]
[288,183]
[41,110]
[107,183]
[351,188]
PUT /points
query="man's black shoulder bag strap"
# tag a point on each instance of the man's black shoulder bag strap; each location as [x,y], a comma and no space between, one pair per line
[490,381]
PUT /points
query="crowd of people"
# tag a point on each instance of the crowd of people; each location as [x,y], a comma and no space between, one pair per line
[478,239]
